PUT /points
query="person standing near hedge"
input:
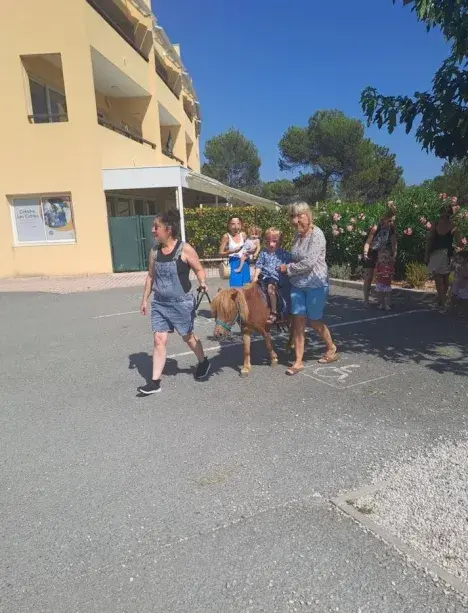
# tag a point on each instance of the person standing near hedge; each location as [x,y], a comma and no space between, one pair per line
[230,246]
[381,236]
[439,253]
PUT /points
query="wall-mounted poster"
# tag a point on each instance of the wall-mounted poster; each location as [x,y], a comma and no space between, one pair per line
[58,219]
[28,220]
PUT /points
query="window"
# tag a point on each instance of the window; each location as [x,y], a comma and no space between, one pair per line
[139,205]
[48,105]
[43,219]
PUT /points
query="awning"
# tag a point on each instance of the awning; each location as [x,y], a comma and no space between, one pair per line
[202,183]
[154,177]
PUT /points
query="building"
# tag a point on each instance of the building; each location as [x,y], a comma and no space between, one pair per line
[101,123]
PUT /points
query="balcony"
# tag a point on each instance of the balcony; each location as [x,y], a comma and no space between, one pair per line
[168,76]
[127,132]
[130,29]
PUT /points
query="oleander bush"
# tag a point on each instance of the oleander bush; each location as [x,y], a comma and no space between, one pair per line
[345,226]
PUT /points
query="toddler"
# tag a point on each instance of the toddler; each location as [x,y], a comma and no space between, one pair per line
[267,268]
[383,282]
[250,247]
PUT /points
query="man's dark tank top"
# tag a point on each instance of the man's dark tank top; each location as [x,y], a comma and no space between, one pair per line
[183,269]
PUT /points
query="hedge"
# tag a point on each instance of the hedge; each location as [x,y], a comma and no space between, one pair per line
[345,225]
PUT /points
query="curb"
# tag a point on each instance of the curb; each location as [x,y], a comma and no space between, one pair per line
[344,504]
[404,291]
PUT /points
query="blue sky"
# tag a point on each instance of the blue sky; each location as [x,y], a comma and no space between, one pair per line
[262,66]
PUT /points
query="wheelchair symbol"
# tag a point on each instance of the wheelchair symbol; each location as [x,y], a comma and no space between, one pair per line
[339,373]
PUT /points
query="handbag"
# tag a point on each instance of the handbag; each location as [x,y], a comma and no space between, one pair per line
[224,270]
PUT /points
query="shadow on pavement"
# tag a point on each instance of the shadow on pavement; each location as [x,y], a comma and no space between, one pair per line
[437,342]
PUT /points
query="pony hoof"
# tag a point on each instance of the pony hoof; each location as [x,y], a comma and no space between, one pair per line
[245,372]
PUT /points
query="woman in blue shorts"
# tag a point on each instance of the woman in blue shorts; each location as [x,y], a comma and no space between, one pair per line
[308,275]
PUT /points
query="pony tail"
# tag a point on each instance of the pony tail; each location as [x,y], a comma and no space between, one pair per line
[242,306]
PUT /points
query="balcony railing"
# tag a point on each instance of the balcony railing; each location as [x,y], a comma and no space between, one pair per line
[163,74]
[169,154]
[125,132]
[48,118]
[117,19]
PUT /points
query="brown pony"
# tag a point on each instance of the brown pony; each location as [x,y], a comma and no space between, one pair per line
[248,305]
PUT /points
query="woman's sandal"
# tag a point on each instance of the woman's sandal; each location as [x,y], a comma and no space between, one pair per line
[329,357]
[293,371]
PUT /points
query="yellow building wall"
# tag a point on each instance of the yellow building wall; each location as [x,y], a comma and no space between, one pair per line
[57,157]
[113,47]
[68,157]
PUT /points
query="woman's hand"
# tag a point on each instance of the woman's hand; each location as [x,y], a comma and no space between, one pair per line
[283,268]
[144,307]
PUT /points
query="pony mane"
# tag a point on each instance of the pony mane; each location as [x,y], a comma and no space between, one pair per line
[228,303]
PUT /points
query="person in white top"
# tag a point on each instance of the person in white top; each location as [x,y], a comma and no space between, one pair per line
[230,246]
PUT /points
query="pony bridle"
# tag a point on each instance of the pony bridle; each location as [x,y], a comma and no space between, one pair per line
[226,326]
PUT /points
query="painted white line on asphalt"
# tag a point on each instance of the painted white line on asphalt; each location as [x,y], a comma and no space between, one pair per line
[115,314]
[378,318]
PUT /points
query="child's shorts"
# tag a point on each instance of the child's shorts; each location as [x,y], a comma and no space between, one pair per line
[382,288]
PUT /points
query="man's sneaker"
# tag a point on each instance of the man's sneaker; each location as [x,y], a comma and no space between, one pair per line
[203,369]
[153,387]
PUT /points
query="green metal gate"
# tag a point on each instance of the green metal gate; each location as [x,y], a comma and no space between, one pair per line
[131,241]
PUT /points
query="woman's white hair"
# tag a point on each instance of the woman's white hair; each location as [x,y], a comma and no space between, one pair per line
[300,208]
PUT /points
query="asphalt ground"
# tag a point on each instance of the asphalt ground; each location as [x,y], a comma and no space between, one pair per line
[211,496]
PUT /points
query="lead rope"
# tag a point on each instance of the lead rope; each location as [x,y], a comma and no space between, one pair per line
[201,294]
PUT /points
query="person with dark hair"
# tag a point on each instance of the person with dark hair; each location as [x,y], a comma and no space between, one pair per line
[381,236]
[173,304]
[230,246]
[439,253]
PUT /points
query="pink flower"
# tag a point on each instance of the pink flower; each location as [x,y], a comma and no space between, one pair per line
[428,225]
[442,196]
[341,230]
[350,228]
[336,217]
[455,208]
[423,220]
[353,220]
[334,226]
[336,232]
[408,231]
[454,200]
[362,216]
[463,241]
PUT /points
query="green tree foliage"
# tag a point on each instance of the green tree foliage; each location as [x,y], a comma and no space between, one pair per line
[327,147]
[234,160]
[442,112]
[453,180]
[377,177]
[336,158]
[282,191]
